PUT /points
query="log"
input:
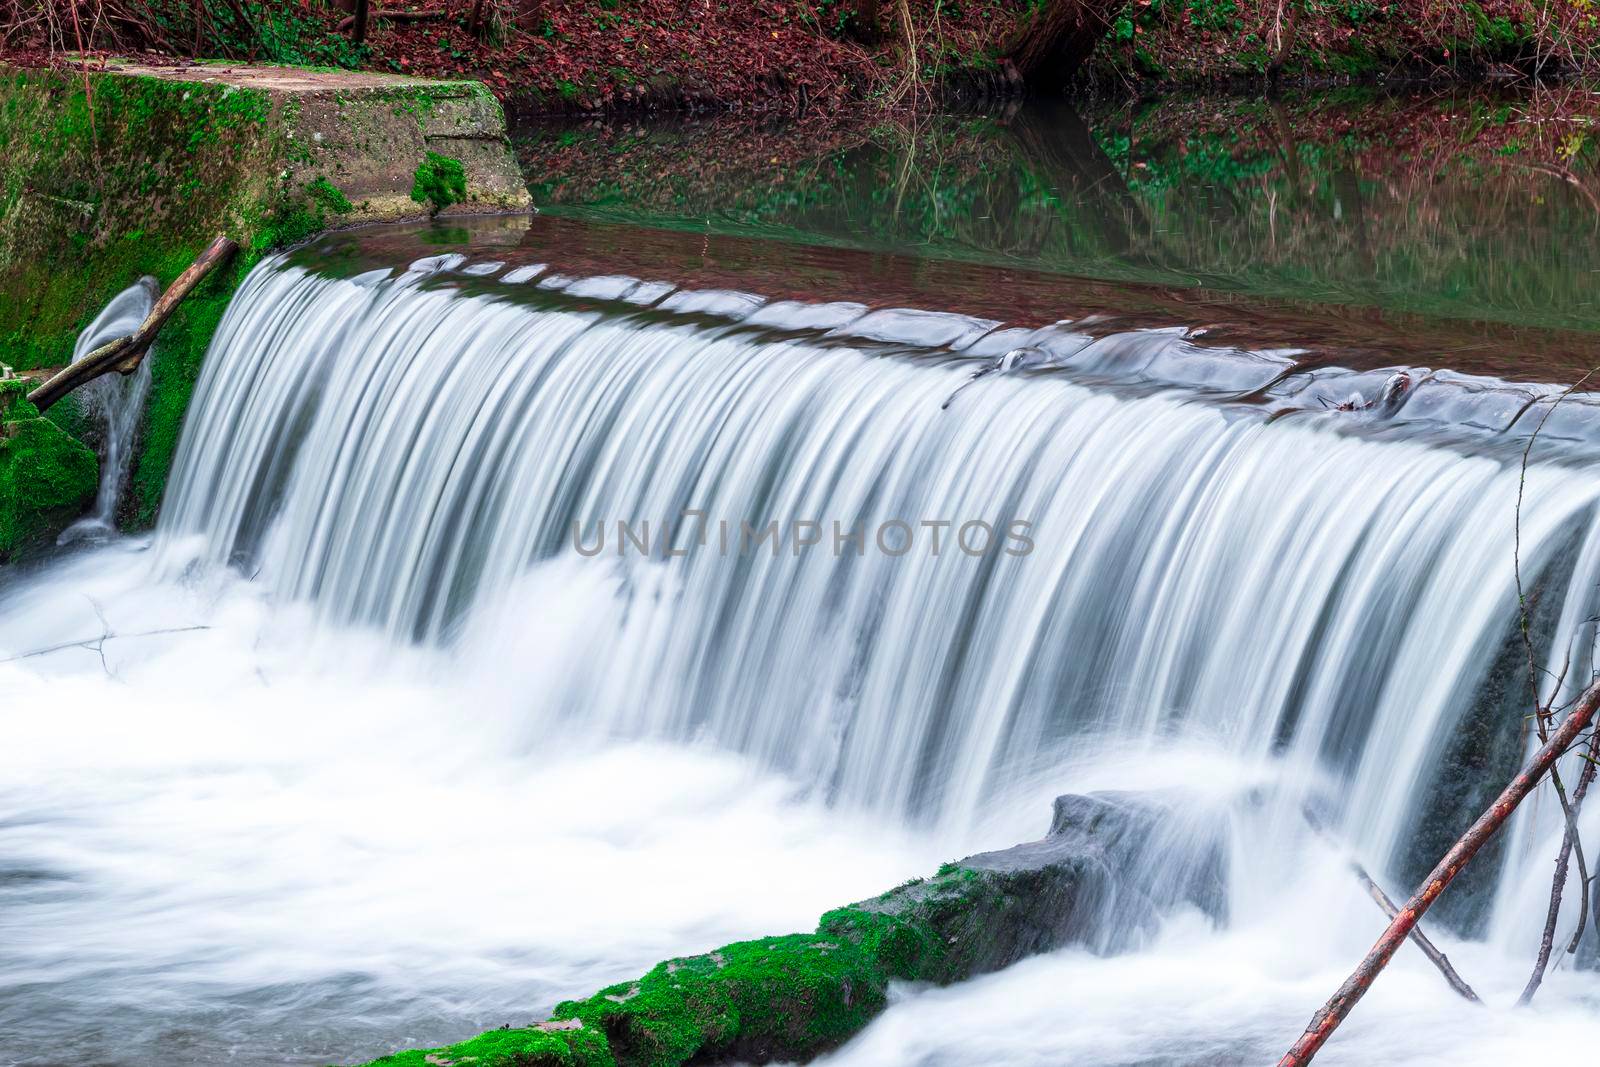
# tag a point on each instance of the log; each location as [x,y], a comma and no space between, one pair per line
[1387,906]
[1328,1018]
[123,354]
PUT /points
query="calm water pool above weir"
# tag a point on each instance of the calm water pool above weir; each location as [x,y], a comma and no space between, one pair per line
[537,599]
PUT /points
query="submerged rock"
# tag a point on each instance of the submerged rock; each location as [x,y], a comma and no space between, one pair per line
[1099,878]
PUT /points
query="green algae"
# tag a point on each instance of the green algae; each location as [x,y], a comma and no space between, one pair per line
[46,477]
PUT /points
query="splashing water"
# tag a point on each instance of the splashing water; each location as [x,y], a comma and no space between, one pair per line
[116,401]
[365,749]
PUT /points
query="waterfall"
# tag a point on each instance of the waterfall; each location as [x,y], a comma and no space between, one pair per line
[115,401]
[508,629]
[1170,559]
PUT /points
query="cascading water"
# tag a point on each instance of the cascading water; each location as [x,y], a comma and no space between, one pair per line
[1175,589]
[115,401]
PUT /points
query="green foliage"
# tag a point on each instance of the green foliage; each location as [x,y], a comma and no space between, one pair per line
[1493,35]
[272,31]
[439,181]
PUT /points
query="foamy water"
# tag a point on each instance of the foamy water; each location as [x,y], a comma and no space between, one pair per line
[246,844]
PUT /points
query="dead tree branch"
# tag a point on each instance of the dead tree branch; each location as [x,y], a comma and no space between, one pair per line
[1420,939]
[1569,840]
[123,355]
[1328,1018]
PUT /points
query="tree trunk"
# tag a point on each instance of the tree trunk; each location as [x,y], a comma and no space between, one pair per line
[358,28]
[862,22]
[1048,48]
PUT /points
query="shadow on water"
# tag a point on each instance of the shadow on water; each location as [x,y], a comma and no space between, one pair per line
[1476,206]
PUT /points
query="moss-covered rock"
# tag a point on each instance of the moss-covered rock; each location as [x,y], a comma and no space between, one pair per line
[542,1045]
[46,477]
[131,171]
[793,997]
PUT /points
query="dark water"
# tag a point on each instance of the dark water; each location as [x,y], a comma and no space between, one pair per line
[1483,207]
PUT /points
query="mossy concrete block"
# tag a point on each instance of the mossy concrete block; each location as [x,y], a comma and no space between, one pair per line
[1093,880]
[131,170]
[46,477]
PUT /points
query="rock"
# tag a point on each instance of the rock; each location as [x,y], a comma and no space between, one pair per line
[1109,864]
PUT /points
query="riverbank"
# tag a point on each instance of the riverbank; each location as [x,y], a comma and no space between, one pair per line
[566,56]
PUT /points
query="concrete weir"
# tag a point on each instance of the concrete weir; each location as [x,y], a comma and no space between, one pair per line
[123,171]
[366,133]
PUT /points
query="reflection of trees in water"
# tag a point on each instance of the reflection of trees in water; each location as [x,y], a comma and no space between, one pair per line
[1474,206]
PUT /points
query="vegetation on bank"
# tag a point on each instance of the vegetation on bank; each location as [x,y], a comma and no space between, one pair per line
[94,196]
[108,177]
[46,476]
[807,54]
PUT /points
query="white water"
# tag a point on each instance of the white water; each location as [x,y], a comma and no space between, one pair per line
[427,769]
[116,402]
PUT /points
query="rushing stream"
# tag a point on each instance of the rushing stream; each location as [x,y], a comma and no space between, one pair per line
[511,626]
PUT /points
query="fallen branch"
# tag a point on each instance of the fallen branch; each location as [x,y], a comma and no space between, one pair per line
[1420,939]
[123,354]
[92,643]
[1568,839]
[1328,1018]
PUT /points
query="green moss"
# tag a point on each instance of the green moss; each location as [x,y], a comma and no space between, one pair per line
[439,182]
[327,196]
[91,208]
[531,1047]
[788,998]
[46,477]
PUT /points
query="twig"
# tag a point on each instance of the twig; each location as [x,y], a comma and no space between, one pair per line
[1568,841]
[91,642]
[1541,711]
[1375,891]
